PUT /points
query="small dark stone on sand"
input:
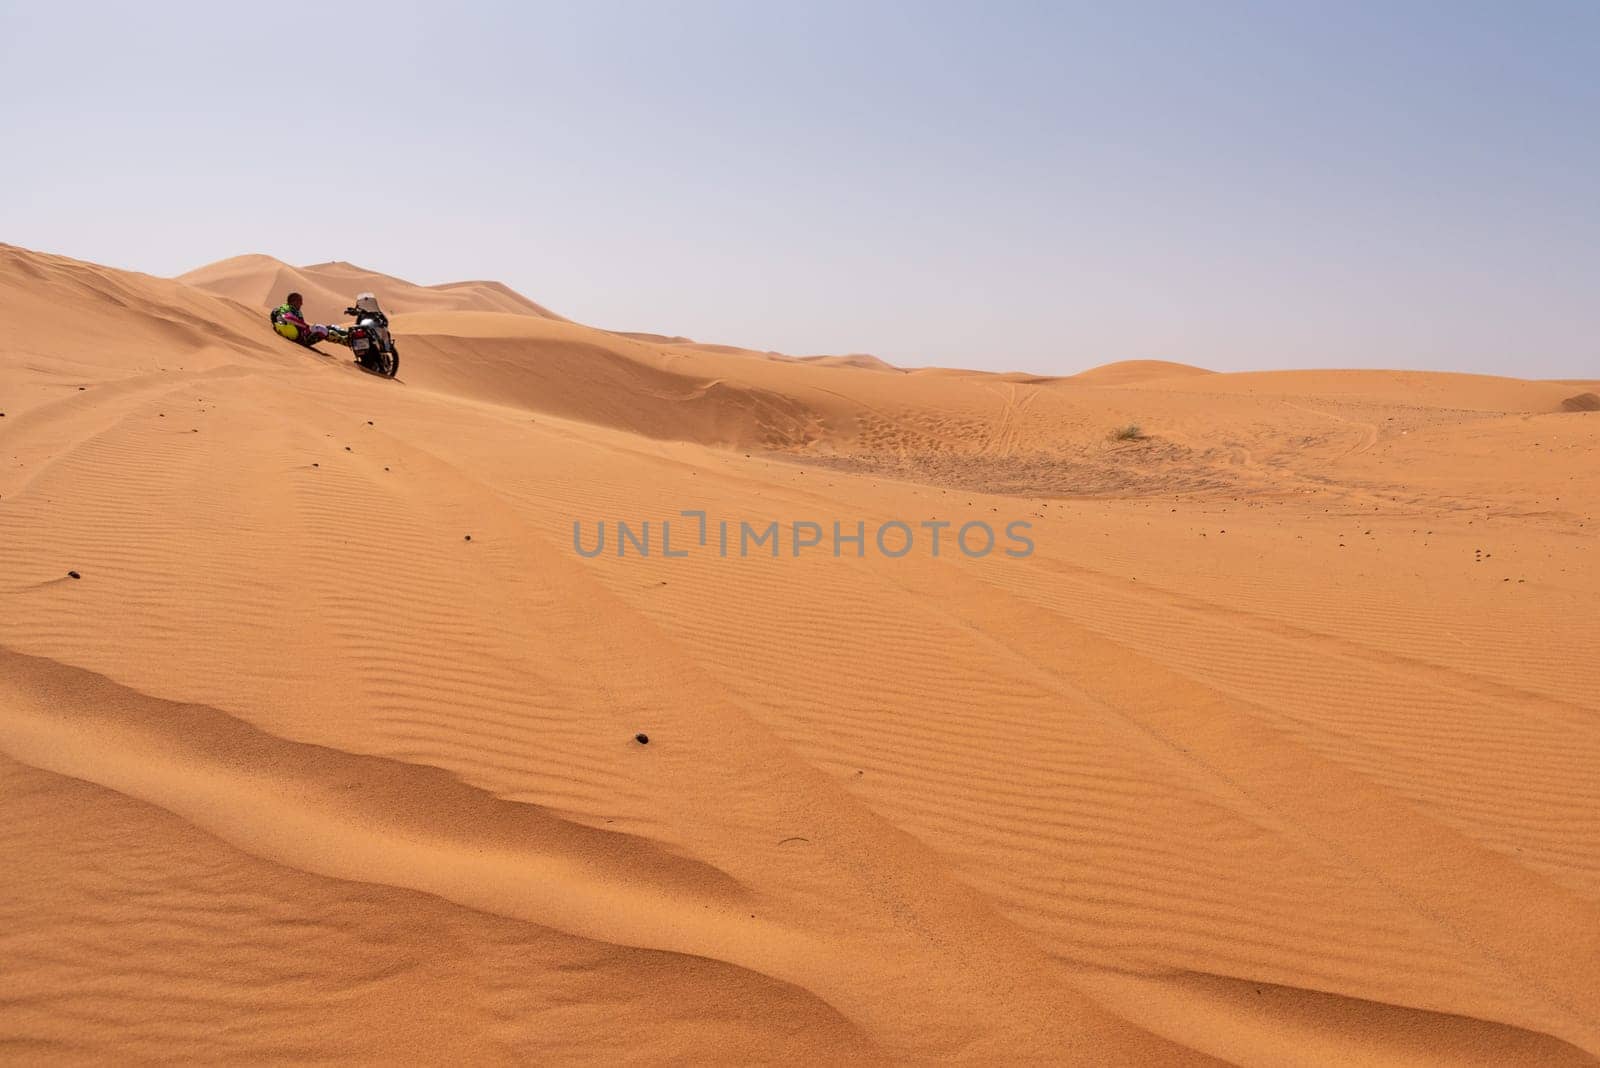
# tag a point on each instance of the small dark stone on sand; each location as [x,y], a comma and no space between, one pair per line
[468,537]
[347,448]
[642,739]
[369,422]
[73,574]
[316,465]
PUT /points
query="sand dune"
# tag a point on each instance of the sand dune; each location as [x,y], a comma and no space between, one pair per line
[263,282]
[862,360]
[1279,749]
[1127,371]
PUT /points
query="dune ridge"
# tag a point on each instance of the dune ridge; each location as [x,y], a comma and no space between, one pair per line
[262,281]
[1272,753]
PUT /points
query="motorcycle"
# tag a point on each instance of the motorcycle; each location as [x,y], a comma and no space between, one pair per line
[369,337]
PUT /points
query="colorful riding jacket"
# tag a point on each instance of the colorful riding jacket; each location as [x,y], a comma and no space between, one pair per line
[285,313]
[289,323]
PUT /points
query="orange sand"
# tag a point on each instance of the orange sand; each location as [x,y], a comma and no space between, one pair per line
[1281,749]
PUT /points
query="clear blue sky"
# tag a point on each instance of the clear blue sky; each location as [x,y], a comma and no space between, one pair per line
[1006,186]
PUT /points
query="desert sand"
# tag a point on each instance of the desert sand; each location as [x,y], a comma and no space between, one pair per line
[318,738]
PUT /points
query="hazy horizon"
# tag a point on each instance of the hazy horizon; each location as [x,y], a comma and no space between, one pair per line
[1040,187]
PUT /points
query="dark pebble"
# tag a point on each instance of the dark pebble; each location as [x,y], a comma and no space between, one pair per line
[468,537]
[642,739]
[74,574]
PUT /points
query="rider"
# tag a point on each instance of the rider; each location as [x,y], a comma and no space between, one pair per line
[288,321]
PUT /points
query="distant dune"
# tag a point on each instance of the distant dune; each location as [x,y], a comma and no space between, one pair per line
[856,359]
[321,739]
[328,288]
[1127,371]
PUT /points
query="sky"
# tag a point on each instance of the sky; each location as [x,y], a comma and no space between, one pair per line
[1004,186]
